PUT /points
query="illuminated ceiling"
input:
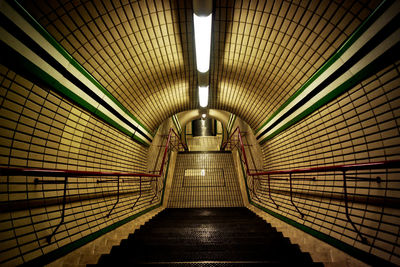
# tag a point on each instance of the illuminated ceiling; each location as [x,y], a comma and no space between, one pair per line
[142,52]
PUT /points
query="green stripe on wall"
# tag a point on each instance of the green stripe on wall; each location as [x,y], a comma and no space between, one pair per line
[387,58]
[55,84]
[231,122]
[177,124]
[71,60]
[354,37]
[228,126]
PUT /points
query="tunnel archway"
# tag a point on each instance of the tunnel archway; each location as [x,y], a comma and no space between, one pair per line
[84,86]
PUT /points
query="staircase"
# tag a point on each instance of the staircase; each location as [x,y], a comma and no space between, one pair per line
[207,237]
[205,180]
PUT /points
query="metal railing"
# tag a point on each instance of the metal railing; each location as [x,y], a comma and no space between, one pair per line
[236,141]
[142,182]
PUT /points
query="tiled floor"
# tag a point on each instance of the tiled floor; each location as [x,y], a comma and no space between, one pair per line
[205,179]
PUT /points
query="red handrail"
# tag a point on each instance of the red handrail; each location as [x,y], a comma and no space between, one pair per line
[344,167]
[70,173]
[341,168]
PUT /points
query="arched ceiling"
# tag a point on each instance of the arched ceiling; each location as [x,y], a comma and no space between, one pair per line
[190,115]
[143,51]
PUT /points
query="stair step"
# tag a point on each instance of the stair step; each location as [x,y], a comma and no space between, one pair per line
[207,229]
[214,263]
[199,235]
[203,254]
[207,237]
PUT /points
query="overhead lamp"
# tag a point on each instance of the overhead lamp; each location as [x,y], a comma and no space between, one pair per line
[202,37]
[203,116]
[203,96]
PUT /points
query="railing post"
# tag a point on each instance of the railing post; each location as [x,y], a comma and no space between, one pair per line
[140,192]
[156,191]
[346,205]
[291,195]
[254,191]
[165,151]
[62,212]
[243,151]
[252,181]
[269,191]
[115,204]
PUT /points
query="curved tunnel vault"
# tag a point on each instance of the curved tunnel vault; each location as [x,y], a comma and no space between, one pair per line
[87,85]
[262,51]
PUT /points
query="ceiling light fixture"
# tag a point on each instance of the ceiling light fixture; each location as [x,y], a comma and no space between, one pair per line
[203,96]
[202,37]
[203,116]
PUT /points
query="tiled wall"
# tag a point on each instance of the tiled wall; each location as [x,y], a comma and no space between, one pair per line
[263,51]
[41,129]
[204,143]
[201,143]
[363,125]
[155,153]
[134,48]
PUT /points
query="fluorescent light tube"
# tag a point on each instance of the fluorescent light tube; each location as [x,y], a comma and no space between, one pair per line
[203,96]
[202,37]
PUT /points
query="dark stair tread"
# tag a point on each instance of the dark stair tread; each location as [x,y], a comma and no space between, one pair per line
[182,246]
[196,255]
[198,235]
[204,229]
[208,220]
[221,236]
[211,257]
[198,213]
[170,239]
[190,253]
[211,263]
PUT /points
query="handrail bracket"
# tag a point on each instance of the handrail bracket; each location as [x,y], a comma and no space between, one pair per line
[346,205]
[48,238]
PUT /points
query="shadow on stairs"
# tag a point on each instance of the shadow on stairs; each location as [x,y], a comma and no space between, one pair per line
[207,237]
